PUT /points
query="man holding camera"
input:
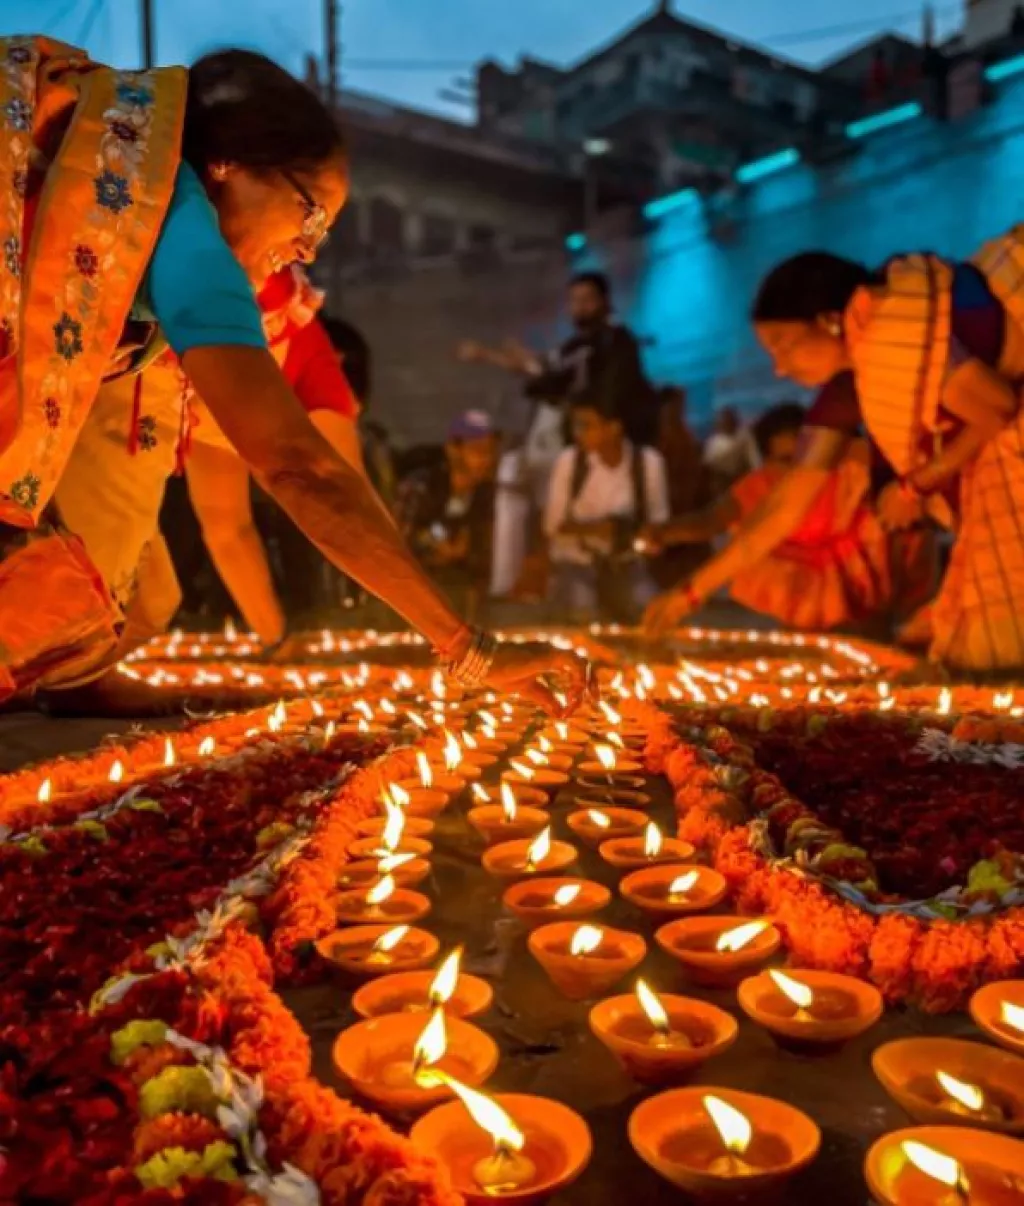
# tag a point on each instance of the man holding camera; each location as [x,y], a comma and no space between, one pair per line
[603,490]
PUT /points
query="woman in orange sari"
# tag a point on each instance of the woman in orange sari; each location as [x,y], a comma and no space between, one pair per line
[937,353]
[138,207]
[832,569]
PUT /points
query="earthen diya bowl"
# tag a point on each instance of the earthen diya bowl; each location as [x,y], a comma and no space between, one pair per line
[532,797]
[986,1008]
[420,827]
[490,822]
[591,768]
[673,1133]
[533,900]
[907,1070]
[365,872]
[993,1166]
[544,778]
[558,1146]
[623,822]
[375,1056]
[615,781]
[843,1008]
[583,977]
[612,797]
[402,907]
[428,802]
[648,889]
[629,852]
[692,941]
[507,860]
[408,992]
[352,950]
[370,847]
[697,1031]
[450,783]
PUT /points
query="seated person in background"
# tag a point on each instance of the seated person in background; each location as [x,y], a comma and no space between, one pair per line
[603,490]
[446,511]
[730,450]
[831,569]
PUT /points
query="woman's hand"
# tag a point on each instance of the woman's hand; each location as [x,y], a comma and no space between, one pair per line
[665,612]
[899,508]
[523,667]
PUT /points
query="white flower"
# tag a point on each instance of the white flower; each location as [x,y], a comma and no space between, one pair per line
[200,1052]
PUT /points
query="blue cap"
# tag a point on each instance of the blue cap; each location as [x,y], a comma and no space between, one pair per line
[471,425]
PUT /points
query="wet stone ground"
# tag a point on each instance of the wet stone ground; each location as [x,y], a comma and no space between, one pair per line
[547,1047]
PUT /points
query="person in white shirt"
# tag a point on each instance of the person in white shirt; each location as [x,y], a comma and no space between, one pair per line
[602,491]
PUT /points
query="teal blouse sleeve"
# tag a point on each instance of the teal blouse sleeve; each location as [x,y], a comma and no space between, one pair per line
[194,287]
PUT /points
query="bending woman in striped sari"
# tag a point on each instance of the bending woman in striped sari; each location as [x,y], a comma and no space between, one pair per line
[937,353]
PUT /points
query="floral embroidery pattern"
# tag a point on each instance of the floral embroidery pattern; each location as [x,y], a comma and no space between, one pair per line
[51,408]
[146,433]
[86,260]
[12,255]
[112,191]
[19,55]
[18,114]
[25,491]
[68,337]
[19,183]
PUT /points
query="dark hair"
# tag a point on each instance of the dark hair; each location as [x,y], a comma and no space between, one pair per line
[806,286]
[787,417]
[358,359]
[596,280]
[587,402]
[243,108]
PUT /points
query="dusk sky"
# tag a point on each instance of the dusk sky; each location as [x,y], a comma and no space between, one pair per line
[410,50]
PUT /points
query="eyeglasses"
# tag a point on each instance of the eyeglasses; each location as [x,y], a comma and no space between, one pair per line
[314,221]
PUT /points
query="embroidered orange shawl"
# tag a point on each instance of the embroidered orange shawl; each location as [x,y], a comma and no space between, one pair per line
[88,157]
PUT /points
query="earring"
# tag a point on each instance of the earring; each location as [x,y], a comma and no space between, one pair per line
[219,171]
[835,328]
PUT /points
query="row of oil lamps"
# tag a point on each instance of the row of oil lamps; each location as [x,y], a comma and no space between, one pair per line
[718,1142]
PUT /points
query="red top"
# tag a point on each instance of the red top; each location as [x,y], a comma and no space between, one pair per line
[313,369]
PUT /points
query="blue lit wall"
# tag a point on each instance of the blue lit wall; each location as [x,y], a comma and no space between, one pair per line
[918,186]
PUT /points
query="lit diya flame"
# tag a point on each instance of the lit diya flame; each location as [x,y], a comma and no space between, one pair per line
[566,894]
[606,756]
[316,708]
[967,1098]
[650,1003]
[537,758]
[544,745]
[615,739]
[432,1044]
[329,730]
[469,741]
[394,827]
[381,891]
[423,768]
[562,729]
[481,794]
[363,708]
[793,990]
[945,703]
[363,725]
[505,1170]
[612,716]
[452,752]
[230,632]
[116,772]
[646,676]
[169,755]
[417,720]
[400,796]
[391,862]
[277,718]
[206,747]
[387,707]
[682,884]
[538,849]
[521,769]
[45,792]
[734,1130]
[601,819]
[936,1165]
[487,719]
[653,840]
[443,985]
[736,939]
[1012,1015]
[508,803]
[437,685]
[489,733]
[381,950]
[585,940]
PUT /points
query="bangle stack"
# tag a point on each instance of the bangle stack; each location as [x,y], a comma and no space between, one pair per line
[473,667]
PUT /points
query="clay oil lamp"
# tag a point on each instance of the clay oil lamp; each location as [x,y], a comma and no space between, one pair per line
[532,797]
[421,827]
[431,778]
[459,995]
[611,797]
[511,1148]
[722,1145]
[564,737]
[645,850]
[585,961]
[473,755]
[945,1166]
[673,890]
[408,871]
[383,902]
[375,950]
[659,1040]
[517,860]
[540,901]
[383,1057]
[998,1009]
[814,1014]
[609,770]
[549,757]
[719,951]
[455,763]
[506,821]
[392,840]
[527,773]
[596,825]
[949,1081]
